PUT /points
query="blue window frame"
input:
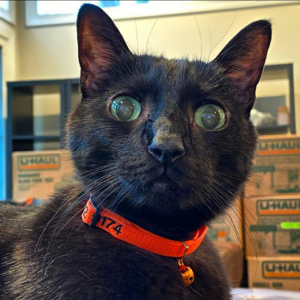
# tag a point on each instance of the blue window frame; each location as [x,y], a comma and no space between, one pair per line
[2,137]
[109,3]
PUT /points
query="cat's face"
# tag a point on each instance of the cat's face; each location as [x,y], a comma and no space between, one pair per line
[166,136]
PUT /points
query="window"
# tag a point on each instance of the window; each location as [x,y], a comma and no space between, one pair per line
[4,5]
[7,11]
[64,7]
[72,7]
[50,12]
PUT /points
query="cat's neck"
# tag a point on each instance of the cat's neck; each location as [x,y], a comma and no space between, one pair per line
[180,228]
[180,225]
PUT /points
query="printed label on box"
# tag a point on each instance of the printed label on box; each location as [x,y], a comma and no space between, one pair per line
[278,207]
[282,273]
[278,147]
[281,269]
[39,162]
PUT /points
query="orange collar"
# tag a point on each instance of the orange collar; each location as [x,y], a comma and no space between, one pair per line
[128,232]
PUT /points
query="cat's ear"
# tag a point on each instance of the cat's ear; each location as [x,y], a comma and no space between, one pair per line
[100,44]
[243,58]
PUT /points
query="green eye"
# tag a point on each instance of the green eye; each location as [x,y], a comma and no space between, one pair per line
[210,117]
[125,108]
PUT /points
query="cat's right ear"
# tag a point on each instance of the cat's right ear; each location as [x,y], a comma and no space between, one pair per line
[100,44]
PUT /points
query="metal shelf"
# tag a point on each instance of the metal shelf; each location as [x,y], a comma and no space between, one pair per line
[20,118]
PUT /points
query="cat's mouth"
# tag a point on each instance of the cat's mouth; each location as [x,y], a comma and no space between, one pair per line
[163,185]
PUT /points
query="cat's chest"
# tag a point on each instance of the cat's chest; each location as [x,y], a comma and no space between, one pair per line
[90,264]
[87,263]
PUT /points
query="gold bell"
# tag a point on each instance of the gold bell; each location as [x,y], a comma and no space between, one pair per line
[186,273]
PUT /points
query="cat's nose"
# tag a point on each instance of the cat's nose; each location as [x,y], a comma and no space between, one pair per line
[167,152]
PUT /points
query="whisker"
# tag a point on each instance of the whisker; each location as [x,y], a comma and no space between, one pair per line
[150,34]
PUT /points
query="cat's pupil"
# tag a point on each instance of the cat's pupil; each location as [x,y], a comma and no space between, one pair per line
[125,109]
[210,118]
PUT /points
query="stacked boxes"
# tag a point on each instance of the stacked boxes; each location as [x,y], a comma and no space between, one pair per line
[273,241]
[226,233]
[39,174]
[272,215]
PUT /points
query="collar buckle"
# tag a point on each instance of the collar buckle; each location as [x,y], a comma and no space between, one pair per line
[186,248]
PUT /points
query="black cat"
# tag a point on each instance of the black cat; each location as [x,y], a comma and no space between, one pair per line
[167,144]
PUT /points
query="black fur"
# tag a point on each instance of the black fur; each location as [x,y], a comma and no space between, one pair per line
[87,263]
[52,255]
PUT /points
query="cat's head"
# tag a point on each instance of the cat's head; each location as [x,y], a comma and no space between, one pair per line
[169,139]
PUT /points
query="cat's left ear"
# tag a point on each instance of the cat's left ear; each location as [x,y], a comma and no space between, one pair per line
[243,58]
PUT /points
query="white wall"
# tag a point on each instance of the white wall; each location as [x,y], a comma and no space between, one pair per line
[8,44]
[51,52]
[9,63]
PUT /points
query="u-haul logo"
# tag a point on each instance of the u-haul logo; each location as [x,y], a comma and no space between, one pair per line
[39,162]
[281,269]
[278,207]
[275,147]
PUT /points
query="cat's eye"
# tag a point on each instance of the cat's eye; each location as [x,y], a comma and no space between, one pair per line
[210,117]
[125,108]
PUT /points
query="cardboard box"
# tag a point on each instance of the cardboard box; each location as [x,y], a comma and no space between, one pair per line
[228,227]
[272,225]
[39,174]
[281,273]
[232,256]
[276,166]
